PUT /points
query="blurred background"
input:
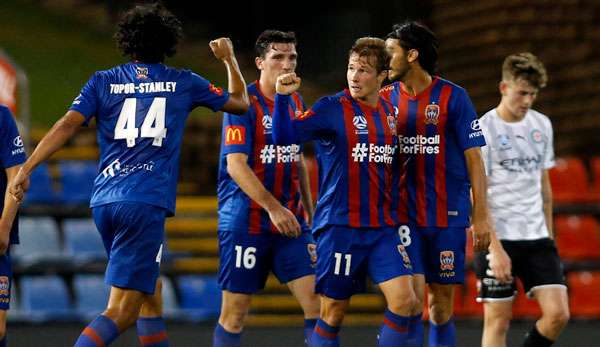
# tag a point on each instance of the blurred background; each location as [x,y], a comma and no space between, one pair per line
[49,49]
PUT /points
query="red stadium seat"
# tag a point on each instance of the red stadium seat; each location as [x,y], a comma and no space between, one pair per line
[584,300]
[577,237]
[523,307]
[595,166]
[470,306]
[569,181]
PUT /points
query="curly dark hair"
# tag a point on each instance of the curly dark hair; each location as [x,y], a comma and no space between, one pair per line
[414,35]
[148,33]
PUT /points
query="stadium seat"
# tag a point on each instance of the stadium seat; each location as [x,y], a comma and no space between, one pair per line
[569,181]
[91,295]
[169,297]
[45,298]
[40,187]
[470,307]
[583,294]
[200,296]
[77,180]
[39,243]
[82,241]
[523,307]
[595,166]
[577,237]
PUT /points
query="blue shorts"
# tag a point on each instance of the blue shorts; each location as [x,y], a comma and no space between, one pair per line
[346,255]
[133,235]
[5,281]
[437,253]
[246,259]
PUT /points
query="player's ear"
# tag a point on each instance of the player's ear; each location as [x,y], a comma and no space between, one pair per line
[412,55]
[259,61]
[382,76]
[503,87]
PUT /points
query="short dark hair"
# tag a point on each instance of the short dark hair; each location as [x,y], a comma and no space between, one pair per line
[148,33]
[267,37]
[525,66]
[372,47]
[414,35]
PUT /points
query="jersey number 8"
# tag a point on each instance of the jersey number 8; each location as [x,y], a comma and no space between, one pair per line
[153,125]
[404,233]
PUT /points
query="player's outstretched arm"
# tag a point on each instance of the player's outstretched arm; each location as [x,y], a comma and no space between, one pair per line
[11,205]
[283,130]
[238,102]
[58,135]
[283,219]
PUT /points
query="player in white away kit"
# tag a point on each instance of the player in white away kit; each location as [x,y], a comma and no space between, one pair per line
[517,157]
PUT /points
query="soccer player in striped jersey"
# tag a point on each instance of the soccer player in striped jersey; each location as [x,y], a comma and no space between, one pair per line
[355,222]
[12,156]
[140,109]
[264,193]
[518,155]
[439,133]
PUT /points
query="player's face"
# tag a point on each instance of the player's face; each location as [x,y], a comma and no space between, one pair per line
[399,62]
[363,79]
[518,96]
[281,58]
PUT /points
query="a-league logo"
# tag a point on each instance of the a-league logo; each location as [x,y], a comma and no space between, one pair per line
[392,123]
[447,260]
[432,112]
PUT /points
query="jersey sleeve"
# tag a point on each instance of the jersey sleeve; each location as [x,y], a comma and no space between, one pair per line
[204,93]
[317,121]
[12,151]
[238,133]
[549,153]
[466,125]
[86,102]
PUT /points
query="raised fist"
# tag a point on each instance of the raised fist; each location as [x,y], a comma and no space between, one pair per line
[287,83]
[222,48]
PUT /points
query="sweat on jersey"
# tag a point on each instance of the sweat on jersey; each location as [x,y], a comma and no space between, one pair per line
[140,112]
[357,155]
[12,152]
[275,166]
[435,127]
[516,155]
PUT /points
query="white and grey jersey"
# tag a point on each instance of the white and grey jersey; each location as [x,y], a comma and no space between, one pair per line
[516,156]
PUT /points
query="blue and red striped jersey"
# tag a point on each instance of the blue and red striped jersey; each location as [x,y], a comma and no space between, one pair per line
[435,127]
[359,168]
[275,166]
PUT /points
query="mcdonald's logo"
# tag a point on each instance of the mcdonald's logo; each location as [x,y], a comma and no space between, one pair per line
[235,135]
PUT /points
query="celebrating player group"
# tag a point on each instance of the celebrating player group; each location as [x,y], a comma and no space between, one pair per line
[402,181]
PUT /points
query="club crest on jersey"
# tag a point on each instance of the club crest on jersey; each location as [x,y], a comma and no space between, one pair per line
[215,90]
[141,72]
[312,252]
[446,260]
[4,286]
[392,123]
[504,141]
[267,123]
[432,112]
[360,123]
[235,135]
[536,136]
[405,257]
